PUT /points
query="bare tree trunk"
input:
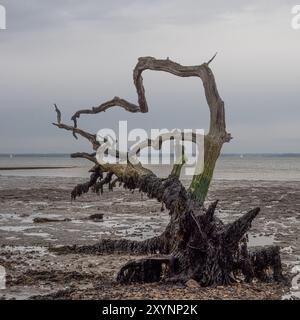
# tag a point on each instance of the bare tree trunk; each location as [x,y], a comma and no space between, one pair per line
[200,183]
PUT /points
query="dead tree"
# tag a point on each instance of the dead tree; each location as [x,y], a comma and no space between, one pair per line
[195,244]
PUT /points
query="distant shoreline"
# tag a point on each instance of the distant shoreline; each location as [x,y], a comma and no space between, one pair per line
[68,155]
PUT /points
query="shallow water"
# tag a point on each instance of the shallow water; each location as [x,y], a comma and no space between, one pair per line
[260,240]
[229,167]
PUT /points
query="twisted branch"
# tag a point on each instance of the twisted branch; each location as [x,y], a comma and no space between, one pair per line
[216,136]
[202,71]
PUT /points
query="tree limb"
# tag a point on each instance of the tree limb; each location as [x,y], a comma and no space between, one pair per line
[217,134]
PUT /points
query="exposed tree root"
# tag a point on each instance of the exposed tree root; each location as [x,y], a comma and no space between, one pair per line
[198,244]
[110,246]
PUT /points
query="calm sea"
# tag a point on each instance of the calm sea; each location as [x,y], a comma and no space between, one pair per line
[232,167]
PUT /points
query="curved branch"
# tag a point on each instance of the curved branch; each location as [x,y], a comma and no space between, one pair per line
[217,134]
[84,134]
[116,101]
[202,71]
[75,130]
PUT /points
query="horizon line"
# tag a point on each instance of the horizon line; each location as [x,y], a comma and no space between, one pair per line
[222,154]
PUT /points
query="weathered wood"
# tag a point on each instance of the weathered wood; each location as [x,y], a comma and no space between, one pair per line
[215,138]
[198,244]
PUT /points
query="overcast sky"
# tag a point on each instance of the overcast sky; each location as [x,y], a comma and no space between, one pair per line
[81,53]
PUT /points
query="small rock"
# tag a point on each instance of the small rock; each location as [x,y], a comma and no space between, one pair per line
[192,284]
[96,217]
[24,215]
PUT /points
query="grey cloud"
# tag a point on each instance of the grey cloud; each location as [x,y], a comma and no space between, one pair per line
[81,53]
[26,15]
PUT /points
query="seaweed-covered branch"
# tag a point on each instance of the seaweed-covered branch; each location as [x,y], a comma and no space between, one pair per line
[85,187]
[235,231]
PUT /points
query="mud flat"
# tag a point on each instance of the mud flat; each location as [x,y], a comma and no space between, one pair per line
[33,272]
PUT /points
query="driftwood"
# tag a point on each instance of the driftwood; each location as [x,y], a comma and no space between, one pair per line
[46,220]
[195,244]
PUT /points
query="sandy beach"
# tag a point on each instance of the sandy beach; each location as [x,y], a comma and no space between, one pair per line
[34,272]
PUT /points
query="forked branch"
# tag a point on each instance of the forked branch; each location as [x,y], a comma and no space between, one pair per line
[216,136]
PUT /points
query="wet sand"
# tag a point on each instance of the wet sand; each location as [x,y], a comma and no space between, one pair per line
[34,272]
